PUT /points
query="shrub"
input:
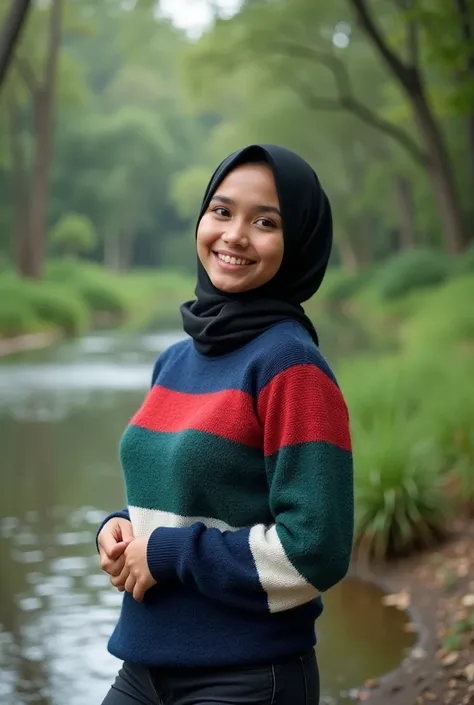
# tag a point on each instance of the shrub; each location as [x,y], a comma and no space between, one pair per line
[74,234]
[16,317]
[411,270]
[444,318]
[37,303]
[100,290]
[400,499]
[401,504]
[340,285]
[58,306]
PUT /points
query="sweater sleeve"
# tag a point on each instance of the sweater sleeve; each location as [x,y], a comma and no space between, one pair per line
[307,549]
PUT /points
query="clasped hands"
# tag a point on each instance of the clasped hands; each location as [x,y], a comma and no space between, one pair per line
[124,558]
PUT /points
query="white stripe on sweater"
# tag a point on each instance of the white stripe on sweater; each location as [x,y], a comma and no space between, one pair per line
[285,586]
[145,521]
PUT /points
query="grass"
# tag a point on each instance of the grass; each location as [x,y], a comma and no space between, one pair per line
[400,498]
[413,440]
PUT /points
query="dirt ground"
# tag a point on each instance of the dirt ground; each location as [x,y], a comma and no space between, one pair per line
[437,587]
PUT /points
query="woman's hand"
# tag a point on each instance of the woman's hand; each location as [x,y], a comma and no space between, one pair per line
[113,539]
[135,574]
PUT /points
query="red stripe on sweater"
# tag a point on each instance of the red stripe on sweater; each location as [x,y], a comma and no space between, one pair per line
[303,405]
[229,414]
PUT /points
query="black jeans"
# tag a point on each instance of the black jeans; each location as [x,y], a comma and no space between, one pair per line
[293,682]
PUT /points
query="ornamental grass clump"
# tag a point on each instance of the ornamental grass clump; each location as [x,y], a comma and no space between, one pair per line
[400,497]
[401,503]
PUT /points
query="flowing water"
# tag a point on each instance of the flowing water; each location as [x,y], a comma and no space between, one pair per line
[62,412]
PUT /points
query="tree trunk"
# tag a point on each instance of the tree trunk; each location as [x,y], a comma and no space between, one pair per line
[127,247]
[406,208]
[44,118]
[21,247]
[111,250]
[441,174]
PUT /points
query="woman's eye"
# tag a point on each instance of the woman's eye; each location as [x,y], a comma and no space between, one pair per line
[266,223]
[221,211]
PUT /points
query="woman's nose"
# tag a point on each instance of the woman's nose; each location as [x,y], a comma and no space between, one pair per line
[236,235]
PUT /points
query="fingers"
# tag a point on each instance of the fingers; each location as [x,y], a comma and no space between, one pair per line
[106,540]
[113,566]
[117,567]
[139,591]
[115,532]
[126,529]
[130,583]
[120,579]
[136,587]
[117,550]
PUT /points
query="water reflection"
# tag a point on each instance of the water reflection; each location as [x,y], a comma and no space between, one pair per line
[61,415]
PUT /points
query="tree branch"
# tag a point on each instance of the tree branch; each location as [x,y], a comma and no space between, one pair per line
[399,68]
[349,103]
[10,33]
[346,99]
[407,8]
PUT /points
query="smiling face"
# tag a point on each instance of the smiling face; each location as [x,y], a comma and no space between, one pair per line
[240,236]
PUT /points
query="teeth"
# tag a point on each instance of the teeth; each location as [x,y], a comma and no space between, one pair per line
[233,260]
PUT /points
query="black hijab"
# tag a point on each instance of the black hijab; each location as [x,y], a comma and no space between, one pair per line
[220,322]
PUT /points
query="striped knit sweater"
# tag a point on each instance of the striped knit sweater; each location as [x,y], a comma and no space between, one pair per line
[240,469]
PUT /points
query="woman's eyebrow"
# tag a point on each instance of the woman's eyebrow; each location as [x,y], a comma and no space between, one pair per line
[258,209]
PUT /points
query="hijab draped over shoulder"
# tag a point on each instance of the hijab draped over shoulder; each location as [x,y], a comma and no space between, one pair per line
[220,322]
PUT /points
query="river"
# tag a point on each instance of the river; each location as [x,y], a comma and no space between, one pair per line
[62,412]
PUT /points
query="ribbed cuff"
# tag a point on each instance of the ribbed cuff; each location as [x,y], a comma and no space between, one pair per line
[123,514]
[165,547]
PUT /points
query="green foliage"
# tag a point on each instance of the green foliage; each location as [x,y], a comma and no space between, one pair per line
[32,305]
[464,263]
[59,307]
[448,416]
[411,418]
[442,319]
[400,499]
[16,317]
[340,285]
[74,234]
[100,290]
[411,270]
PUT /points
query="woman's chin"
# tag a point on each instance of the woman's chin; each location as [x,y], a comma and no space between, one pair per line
[230,285]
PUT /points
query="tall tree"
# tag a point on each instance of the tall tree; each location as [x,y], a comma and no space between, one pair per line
[409,76]
[42,90]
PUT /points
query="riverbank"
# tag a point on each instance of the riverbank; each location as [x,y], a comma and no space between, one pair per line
[76,297]
[437,588]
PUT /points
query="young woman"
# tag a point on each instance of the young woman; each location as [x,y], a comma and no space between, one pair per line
[238,465]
